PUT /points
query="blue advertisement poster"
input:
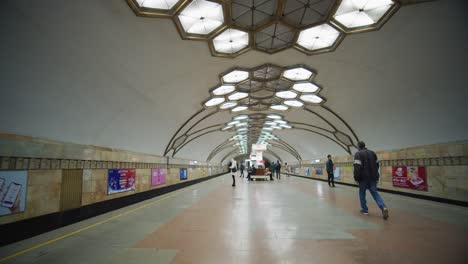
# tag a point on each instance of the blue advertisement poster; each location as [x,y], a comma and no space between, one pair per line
[121,180]
[13,188]
[318,171]
[183,174]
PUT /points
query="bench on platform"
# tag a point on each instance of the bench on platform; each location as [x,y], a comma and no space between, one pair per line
[260,174]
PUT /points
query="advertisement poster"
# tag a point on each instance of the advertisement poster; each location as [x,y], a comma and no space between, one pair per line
[307,171]
[297,170]
[13,188]
[337,173]
[318,171]
[410,177]
[183,174]
[158,176]
[121,180]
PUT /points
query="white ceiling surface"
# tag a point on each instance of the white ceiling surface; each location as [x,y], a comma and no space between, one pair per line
[91,72]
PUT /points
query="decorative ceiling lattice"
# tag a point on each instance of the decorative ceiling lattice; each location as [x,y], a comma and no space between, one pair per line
[268,87]
[234,27]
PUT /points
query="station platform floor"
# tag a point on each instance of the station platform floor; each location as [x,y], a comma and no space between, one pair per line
[292,220]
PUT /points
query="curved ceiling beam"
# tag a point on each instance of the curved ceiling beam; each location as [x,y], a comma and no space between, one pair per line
[338,143]
[342,120]
[178,130]
[192,139]
[285,149]
[289,146]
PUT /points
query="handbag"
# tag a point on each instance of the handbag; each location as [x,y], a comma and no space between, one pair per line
[234,169]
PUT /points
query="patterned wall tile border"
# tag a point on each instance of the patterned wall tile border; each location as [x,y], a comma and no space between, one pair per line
[21,163]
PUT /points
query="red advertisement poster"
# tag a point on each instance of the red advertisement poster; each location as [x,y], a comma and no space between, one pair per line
[410,177]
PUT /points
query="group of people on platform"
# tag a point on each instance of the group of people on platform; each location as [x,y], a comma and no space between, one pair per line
[366,175]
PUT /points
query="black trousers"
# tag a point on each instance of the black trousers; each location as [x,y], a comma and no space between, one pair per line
[278,175]
[233,180]
[331,179]
[242,173]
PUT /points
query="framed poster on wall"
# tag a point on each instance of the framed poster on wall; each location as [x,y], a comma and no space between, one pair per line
[297,171]
[318,171]
[13,189]
[409,177]
[183,174]
[120,180]
[337,173]
[158,176]
[307,171]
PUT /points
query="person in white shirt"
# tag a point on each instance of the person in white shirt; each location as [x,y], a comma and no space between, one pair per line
[233,169]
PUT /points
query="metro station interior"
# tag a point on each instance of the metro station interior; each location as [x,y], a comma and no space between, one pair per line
[232,131]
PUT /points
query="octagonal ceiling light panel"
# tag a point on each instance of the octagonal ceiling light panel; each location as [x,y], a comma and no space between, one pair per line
[238,96]
[298,74]
[279,107]
[201,17]
[286,94]
[236,76]
[362,14]
[215,101]
[231,41]
[301,13]
[305,87]
[274,38]
[228,105]
[223,89]
[251,14]
[319,38]
[311,98]
[293,103]
[226,127]
[274,116]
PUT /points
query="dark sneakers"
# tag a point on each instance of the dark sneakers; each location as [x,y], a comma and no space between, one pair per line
[385,213]
[364,212]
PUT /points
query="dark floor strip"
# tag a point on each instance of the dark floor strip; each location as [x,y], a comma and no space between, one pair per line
[27,228]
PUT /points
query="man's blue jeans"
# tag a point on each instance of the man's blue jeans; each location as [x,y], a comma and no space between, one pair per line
[372,186]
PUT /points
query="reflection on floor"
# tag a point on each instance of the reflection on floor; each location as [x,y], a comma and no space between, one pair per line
[292,220]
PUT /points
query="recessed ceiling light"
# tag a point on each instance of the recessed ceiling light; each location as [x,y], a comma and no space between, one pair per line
[279,107]
[267,128]
[234,122]
[273,116]
[305,87]
[239,108]
[238,95]
[285,126]
[318,37]
[224,89]
[352,13]
[294,103]
[227,127]
[241,117]
[228,105]
[235,76]
[297,74]
[280,121]
[286,94]
[215,101]
[201,17]
[158,4]
[311,98]
[231,41]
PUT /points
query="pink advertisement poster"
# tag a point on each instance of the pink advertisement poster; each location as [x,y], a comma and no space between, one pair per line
[158,176]
[410,177]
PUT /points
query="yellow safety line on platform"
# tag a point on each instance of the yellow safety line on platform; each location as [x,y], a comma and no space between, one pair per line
[19,253]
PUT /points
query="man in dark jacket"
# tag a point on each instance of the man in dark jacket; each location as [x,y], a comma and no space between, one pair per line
[366,173]
[331,177]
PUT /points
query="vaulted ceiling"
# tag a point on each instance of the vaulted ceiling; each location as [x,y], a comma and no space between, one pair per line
[92,72]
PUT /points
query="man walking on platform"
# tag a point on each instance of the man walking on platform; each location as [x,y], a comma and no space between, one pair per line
[278,169]
[242,168]
[331,177]
[366,173]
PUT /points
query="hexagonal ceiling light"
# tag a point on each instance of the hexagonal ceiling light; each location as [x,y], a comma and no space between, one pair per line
[267,87]
[234,27]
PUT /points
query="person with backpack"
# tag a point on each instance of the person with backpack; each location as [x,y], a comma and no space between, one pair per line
[366,173]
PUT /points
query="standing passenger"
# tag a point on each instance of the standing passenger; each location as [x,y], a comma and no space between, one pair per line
[366,173]
[278,169]
[233,168]
[331,177]
[242,168]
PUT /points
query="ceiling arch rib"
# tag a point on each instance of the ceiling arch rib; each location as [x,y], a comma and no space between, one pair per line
[251,96]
